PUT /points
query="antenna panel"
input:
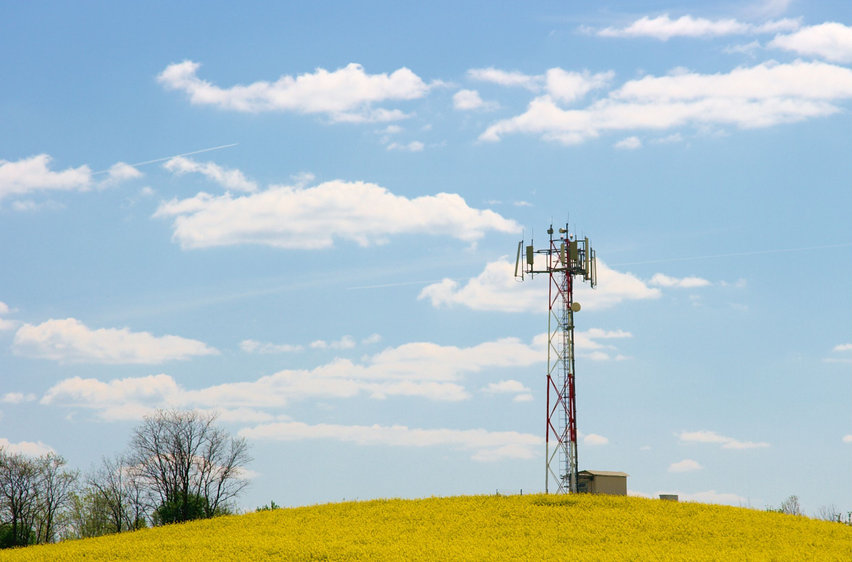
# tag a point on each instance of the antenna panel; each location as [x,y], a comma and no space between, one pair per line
[518,260]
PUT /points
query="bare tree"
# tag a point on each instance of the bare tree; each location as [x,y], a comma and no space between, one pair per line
[120,490]
[87,515]
[791,506]
[192,466]
[829,513]
[19,491]
[55,485]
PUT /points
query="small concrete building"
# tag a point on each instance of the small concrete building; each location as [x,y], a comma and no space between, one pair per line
[602,482]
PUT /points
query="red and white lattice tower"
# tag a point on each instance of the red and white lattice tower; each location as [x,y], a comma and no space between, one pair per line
[564,259]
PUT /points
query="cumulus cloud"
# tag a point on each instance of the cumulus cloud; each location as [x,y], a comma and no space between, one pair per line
[567,86]
[629,143]
[562,85]
[844,349]
[595,439]
[5,323]
[686,465]
[664,28]
[34,174]
[17,397]
[69,340]
[467,100]
[747,97]
[510,386]
[496,289]
[486,446]
[413,146]
[506,78]
[229,179]
[714,438]
[712,496]
[120,172]
[28,448]
[847,438]
[691,282]
[252,346]
[311,218]
[344,95]
[522,393]
[831,41]
[420,369]
[346,342]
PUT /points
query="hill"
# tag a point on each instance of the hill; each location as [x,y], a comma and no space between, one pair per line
[534,527]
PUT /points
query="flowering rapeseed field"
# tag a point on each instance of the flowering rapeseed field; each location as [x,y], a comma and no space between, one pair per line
[537,527]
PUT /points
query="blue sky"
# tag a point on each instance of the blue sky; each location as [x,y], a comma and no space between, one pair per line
[304,217]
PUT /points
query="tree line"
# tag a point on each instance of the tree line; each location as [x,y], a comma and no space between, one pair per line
[180,466]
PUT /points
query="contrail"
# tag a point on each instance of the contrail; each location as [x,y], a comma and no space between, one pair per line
[736,254]
[400,284]
[154,161]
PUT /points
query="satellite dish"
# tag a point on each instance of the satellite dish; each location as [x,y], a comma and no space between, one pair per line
[575,307]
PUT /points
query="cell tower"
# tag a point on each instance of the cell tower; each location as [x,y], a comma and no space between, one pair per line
[563,259]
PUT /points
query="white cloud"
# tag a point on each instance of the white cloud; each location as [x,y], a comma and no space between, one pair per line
[686,465]
[831,41]
[768,8]
[69,340]
[747,97]
[371,339]
[630,143]
[842,348]
[391,130]
[595,439]
[420,369]
[127,398]
[664,28]
[748,49]
[567,86]
[28,205]
[5,324]
[563,85]
[588,346]
[713,437]
[662,280]
[847,438]
[486,446]
[506,78]
[17,397]
[712,496]
[33,174]
[467,100]
[510,386]
[344,95]
[252,346]
[121,172]
[672,138]
[413,146]
[496,289]
[229,179]
[287,217]
[346,342]
[28,448]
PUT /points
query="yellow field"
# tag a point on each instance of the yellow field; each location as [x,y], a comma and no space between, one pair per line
[477,528]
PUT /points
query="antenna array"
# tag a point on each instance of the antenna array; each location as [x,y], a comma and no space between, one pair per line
[562,260]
